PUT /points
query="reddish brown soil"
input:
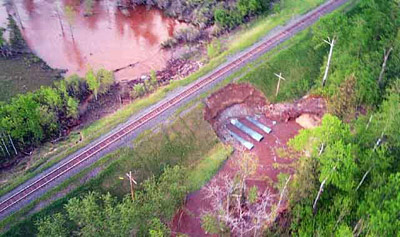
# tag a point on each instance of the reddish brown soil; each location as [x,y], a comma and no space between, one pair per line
[230,95]
[239,101]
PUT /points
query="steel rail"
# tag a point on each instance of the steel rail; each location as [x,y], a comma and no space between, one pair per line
[106,142]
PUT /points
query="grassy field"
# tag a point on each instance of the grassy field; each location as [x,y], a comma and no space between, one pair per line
[49,154]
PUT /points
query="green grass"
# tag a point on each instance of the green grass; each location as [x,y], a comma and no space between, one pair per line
[299,64]
[202,172]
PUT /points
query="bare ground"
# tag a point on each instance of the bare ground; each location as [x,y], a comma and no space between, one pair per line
[239,101]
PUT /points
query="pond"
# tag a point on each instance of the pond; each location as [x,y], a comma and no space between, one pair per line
[110,38]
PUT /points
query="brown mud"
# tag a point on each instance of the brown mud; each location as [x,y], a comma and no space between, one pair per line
[239,101]
[110,38]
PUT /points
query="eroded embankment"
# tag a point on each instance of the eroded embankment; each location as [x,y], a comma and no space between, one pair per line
[273,157]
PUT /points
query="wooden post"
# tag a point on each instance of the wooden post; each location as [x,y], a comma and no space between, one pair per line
[279,82]
[331,43]
[132,182]
[385,58]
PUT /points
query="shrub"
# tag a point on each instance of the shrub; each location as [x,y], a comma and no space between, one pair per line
[214,48]
[138,91]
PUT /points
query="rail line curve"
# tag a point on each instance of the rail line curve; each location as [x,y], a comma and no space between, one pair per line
[119,134]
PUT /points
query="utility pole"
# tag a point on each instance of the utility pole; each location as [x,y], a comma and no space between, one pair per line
[332,44]
[279,82]
[132,182]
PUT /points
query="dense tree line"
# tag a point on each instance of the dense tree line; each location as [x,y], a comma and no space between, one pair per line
[154,204]
[347,178]
[204,13]
[347,182]
[363,36]
[35,117]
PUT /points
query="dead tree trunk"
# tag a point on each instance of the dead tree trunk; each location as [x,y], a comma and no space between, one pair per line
[4,144]
[321,189]
[283,192]
[73,39]
[332,44]
[385,58]
[12,143]
[363,178]
[59,20]
[17,13]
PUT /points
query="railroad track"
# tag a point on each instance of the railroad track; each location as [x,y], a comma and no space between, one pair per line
[106,142]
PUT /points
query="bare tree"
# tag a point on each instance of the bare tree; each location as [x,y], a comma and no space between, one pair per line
[59,16]
[332,44]
[5,146]
[385,58]
[12,144]
[17,13]
[231,205]
[70,14]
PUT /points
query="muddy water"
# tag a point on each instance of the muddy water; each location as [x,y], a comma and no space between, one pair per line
[108,39]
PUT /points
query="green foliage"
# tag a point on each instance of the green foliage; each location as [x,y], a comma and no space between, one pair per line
[36,117]
[211,225]
[52,226]
[214,48]
[343,103]
[16,39]
[300,65]
[2,40]
[153,78]
[231,17]
[93,215]
[99,82]
[70,14]
[138,90]
[383,206]
[103,215]
[93,83]
[361,37]
[253,194]
[360,173]
[158,229]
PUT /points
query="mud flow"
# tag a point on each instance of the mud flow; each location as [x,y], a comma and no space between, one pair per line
[276,123]
[109,38]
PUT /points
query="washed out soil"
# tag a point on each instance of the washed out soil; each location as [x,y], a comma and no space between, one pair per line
[239,101]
